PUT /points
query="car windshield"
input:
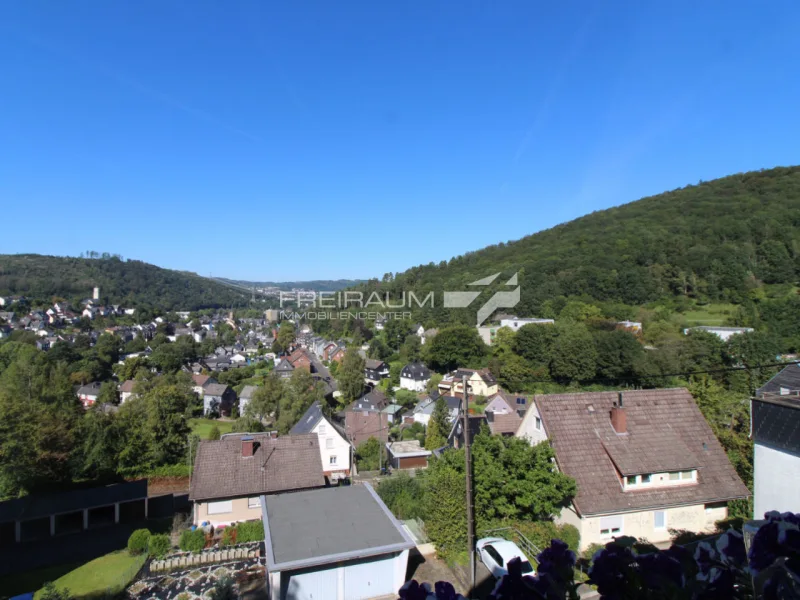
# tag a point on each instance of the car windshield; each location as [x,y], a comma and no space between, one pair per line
[526,567]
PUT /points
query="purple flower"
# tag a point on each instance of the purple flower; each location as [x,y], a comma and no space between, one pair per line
[730,546]
[445,591]
[613,570]
[412,590]
[660,569]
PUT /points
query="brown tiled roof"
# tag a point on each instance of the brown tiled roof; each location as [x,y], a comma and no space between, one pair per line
[200,380]
[665,430]
[127,386]
[290,462]
[508,423]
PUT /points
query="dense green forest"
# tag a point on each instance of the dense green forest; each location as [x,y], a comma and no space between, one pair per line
[732,241]
[319,285]
[127,282]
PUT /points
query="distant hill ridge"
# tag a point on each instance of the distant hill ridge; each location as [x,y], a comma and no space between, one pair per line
[126,282]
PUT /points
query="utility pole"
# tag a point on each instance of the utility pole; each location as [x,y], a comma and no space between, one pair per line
[468,469]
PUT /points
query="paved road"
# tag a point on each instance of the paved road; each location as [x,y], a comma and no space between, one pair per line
[323,373]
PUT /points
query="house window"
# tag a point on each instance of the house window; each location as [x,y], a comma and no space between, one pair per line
[332,460]
[660,519]
[254,502]
[521,401]
[322,429]
[218,508]
[329,443]
[611,525]
[538,424]
[674,476]
[646,478]
[630,480]
[687,475]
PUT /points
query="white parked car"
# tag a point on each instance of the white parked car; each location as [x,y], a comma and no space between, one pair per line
[495,554]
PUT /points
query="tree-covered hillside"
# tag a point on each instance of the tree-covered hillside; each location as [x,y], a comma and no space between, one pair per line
[129,282]
[726,240]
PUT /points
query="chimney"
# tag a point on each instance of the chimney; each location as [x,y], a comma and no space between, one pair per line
[619,420]
[248,446]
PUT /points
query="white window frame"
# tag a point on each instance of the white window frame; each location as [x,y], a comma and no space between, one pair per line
[219,508]
[329,443]
[254,502]
[655,525]
[321,429]
[332,460]
[649,479]
[538,423]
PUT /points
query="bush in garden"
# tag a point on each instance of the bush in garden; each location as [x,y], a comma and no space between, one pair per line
[192,541]
[224,589]
[137,543]
[228,536]
[250,531]
[51,592]
[159,545]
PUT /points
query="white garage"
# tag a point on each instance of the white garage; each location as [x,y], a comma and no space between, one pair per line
[337,543]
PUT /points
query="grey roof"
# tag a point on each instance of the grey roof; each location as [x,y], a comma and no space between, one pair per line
[309,420]
[788,378]
[374,364]
[284,365]
[214,389]
[776,423]
[247,391]
[416,371]
[90,389]
[316,527]
[407,448]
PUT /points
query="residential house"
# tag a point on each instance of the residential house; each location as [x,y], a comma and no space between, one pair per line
[230,474]
[335,449]
[239,358]
[456,438]
[284,369]
[375,370]
[88,393]
[338,543]
[199,382]
[504,403]
[479,383]
[337,354]
[393,411]
[126,390]
[424,409]
[645,462]
[299,359]
[723,333]
[776,452]
[634,327]
[415,377]
[428,335]
[785,383]
[418,330]
[516,323]
[245,396]
[364,418]
[218,398]
[408,454]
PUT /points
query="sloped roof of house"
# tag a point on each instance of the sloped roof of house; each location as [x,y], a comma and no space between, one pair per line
[311,417]
[127,386]
[284,365]
[90,389]
[500,424]
[214,389]
[374,364]
[474,423]
[374,400]
[247,391]
[201,380]
[416,371]
[788,379]
[665,430]
[290,462]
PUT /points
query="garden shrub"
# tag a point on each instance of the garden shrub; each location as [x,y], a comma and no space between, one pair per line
[192,541]
[250,531]
[137,543]
[51,592]
[159,545]
[228,536]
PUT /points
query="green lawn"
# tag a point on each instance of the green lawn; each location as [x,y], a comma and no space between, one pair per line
[107,575]
[710,314]
[202,427]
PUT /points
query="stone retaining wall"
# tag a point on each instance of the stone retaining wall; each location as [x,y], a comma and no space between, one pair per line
[207,557]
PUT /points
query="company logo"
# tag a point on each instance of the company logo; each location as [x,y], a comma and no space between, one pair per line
[393,308]
[506,299]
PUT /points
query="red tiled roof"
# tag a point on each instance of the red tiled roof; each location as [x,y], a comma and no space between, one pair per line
[665,432]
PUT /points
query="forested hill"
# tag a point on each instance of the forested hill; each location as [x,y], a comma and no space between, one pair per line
[126,282]
[319,285]
[715,241]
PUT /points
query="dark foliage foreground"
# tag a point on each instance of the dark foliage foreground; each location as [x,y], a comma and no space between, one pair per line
[720,571]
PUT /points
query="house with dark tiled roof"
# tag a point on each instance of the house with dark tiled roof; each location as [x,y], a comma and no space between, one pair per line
[375,370]
[415,376]
[231,473]
[218,398]
[336,451]
[88,393]
[645,462]
[479,383]
[785,383]
[284,369]
[365,418]
[775,427]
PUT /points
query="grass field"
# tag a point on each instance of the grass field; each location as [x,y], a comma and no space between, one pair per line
[709,314]
[202,427]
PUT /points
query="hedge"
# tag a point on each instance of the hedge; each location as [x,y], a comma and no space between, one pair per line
[192,541]
[250,531]
[159,545]
[137,543]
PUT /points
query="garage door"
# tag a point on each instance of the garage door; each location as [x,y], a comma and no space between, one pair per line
[309,584]
[369,579]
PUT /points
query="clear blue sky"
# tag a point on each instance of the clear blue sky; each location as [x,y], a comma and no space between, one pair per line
[298,140]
